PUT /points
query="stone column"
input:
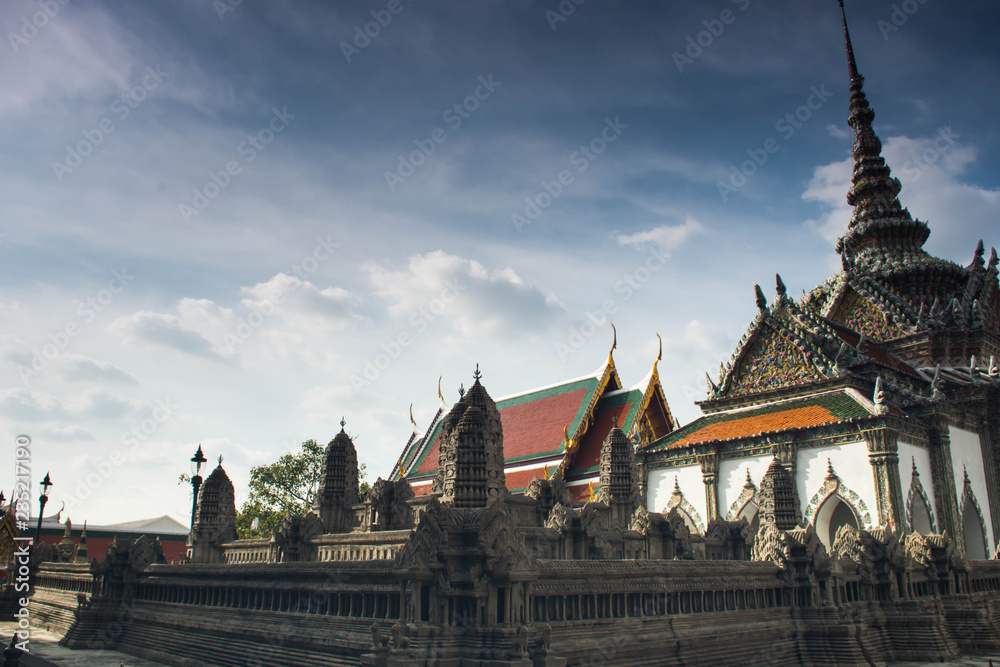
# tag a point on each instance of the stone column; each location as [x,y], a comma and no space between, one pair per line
[945,498]
[884,459]
[710,476]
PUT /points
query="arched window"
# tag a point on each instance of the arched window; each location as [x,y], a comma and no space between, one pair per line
[692,526]
[831,516]
[751,513]
[920,515]
[972,529]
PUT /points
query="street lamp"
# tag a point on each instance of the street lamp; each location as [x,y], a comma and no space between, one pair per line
[42,499]
[197,461]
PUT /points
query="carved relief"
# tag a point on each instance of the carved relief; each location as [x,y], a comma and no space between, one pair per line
[863,316]
[748,494]
[832,486]
[677,500]
[770,363]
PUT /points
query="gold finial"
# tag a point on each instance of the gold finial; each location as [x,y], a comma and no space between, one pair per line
[590,490]
[440,395]
[412,420]
[614,340]
[545,471]
[659,355]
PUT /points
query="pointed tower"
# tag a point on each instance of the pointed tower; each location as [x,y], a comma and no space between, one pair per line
[215,518]
[470,467]
[81,549]
[338,488]
[881,233]
[778,500]
[619,476]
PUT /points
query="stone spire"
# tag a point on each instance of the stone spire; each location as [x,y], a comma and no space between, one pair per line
[881,232]
[619,475]
[338,488]
[214,520]
[778,500]
[470,463]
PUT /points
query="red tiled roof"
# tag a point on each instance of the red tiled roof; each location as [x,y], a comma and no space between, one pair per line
[521,479]
[775,421]
[537,427]
[430,462]
[589,453]
[581,492]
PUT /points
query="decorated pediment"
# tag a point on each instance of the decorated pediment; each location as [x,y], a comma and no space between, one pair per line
[770,361]
[865,315]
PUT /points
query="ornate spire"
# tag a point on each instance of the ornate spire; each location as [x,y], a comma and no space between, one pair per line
[881,231]
[614,344]
[619,475]
[470,460]
[761,301]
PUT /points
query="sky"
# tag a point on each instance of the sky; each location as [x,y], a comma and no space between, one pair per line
[234,223]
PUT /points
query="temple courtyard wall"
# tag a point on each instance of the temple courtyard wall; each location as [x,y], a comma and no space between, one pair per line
[597,612]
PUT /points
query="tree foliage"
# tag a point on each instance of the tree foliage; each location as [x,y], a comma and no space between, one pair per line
[288,485]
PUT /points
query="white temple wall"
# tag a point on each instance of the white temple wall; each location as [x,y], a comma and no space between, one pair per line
[660,487]
[733,475]
[967,455]
[850,462]
[908,455]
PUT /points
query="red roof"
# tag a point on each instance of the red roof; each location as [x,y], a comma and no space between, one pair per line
[589,454]
[430,462]
[536,427]
[521,479]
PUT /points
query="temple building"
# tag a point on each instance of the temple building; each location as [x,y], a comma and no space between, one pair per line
[555,430]
[836,504]
[878,390]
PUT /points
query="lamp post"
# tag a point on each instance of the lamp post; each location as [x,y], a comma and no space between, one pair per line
[42,499]
[197,461]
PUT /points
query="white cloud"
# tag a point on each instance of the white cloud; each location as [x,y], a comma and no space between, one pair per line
[28,405]
[668,237]
[472,298]
[293,299]
[166,330]
[84,369]
[53,433]
[687,356]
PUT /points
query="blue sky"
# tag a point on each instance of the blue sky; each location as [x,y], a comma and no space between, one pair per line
[234,224]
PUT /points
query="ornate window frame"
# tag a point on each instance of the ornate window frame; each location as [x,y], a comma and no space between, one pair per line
[916,488]
[968,495]
[678,500]
[748,495]
[832,486]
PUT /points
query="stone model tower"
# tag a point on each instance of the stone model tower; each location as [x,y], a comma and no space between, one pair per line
[619,476]
[338,488]
[470,463]
[215,518]
[778,503]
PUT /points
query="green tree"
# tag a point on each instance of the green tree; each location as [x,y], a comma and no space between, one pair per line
[288,485]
